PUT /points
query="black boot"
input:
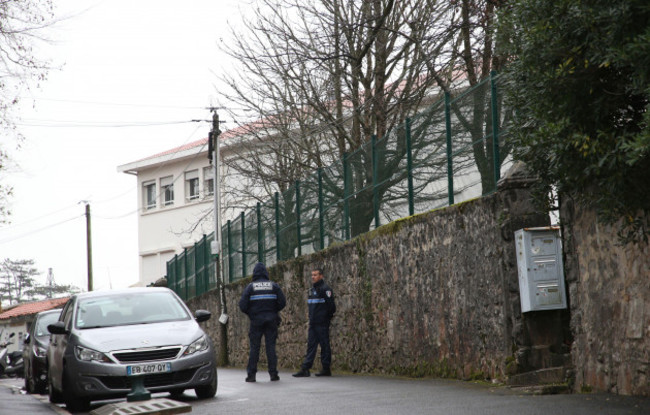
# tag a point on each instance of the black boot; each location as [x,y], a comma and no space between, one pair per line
[274,376]
[324,372]
[250,378]
[303,373]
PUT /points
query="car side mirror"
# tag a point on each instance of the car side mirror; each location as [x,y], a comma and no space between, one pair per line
[57,328]
[27,339]
[202,315]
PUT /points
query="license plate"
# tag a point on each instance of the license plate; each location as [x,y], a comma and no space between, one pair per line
[149,368]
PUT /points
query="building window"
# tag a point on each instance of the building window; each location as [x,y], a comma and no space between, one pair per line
[192,185]
[208,181]
[149,194]
[167,187]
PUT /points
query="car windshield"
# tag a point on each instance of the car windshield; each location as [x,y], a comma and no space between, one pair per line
[44,321]
[126,309]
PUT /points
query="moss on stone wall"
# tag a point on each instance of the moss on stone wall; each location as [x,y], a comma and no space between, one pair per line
[440,369]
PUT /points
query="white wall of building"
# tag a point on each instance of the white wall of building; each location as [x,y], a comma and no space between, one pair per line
[167,228]
[19,329]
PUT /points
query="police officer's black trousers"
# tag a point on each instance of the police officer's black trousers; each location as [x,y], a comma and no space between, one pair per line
[318,334]
[268,329]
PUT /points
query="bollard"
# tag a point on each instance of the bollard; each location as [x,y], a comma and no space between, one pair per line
[138,391]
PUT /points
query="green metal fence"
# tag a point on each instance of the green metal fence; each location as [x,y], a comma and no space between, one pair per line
[447,154]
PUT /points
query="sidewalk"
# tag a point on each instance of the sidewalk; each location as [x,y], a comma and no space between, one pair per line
[13,400]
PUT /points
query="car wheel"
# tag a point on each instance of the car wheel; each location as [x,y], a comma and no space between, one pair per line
[40,387]
[29,383]
[55,396]
[209,390]
[72,403]
[27,380]
[176,393]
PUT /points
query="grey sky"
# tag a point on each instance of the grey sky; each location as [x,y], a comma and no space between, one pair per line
[122,62]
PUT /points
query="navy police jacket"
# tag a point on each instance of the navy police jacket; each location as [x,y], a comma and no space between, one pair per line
[321,303]
[262,299]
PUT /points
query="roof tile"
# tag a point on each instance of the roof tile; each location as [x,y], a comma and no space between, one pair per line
[33,308]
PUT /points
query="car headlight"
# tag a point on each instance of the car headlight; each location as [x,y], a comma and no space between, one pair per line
[89,355]
[197,346]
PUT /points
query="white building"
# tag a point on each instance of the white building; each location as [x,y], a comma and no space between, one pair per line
[175,203]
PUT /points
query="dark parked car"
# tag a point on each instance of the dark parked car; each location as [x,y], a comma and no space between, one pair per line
[35,349]
[104,339]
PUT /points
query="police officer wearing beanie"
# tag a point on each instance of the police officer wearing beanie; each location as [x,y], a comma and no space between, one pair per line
[261,301]
[321,310]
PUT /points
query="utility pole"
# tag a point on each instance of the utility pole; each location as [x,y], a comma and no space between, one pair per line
[215,159]
[89,247]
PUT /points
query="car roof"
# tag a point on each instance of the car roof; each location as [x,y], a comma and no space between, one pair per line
[123,291]
[56,310]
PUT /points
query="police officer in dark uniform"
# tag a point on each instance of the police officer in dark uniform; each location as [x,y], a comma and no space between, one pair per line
[321,310]
[261,301]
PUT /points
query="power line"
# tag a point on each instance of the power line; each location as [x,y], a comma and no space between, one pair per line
[115,104]
[17,225]
[189,137]
[11,239]
[98,124]
[124,215]
[127,104]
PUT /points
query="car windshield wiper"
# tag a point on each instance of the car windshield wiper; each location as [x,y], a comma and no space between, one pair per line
[91,327]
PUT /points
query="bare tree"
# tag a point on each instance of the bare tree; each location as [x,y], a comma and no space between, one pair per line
[469,53]
[20,23]
[325,77]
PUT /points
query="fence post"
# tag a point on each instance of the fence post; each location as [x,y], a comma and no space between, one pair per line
[375,194]
[175,272]
[495,128]
[346,202]
[277,227]
[177,267]
[298,231]
[168,274]
[196,271]
[260,237]
[199,264]
[205,253]
[187,282]
[243,245]
[450,166]
[230,264]
[321,224]
[409,166]
[206,261]
[208,252]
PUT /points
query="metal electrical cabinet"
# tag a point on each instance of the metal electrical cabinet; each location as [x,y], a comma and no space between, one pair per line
[541,273]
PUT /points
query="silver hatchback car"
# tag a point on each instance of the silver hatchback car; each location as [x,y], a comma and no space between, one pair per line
[103,339]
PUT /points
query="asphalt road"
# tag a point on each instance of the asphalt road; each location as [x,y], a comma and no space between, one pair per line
[354,394]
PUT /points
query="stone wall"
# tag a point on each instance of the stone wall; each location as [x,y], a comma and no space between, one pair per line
[609,288]
[433,294]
